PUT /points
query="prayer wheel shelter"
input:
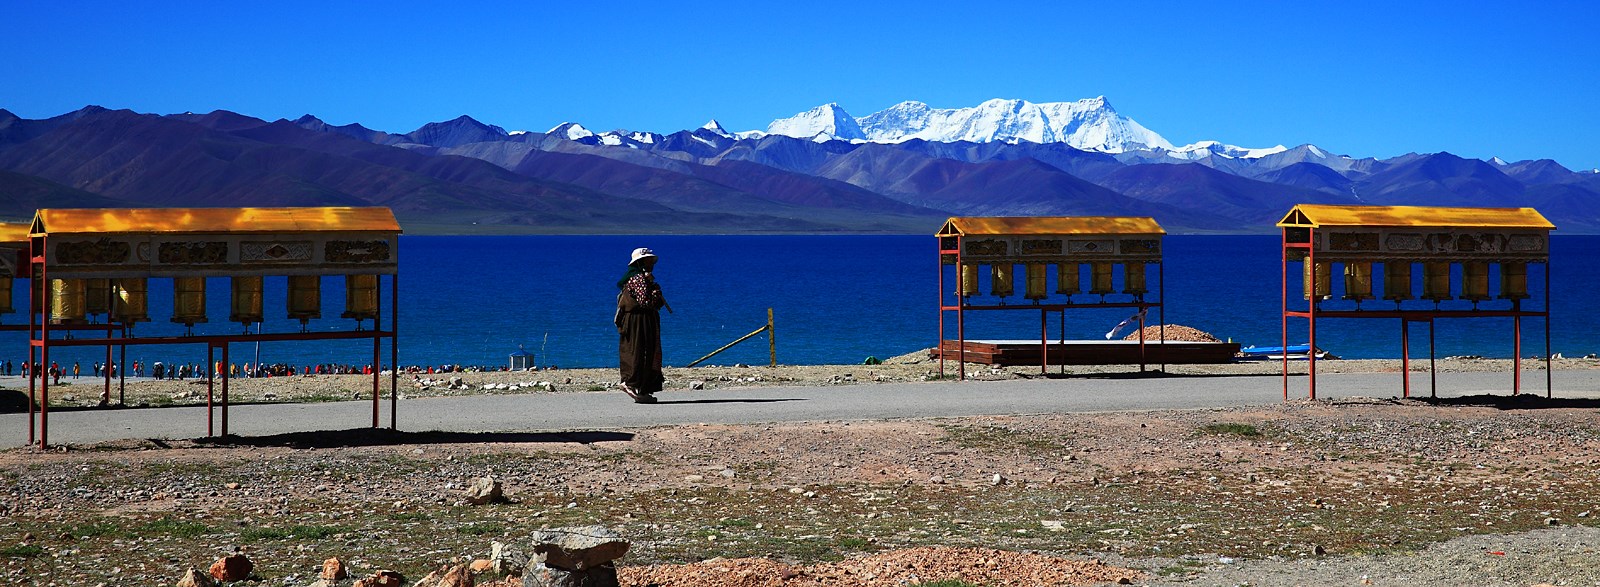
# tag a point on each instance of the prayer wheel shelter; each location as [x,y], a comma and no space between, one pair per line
[101,262]
[13,265]
[1382,251]
[1102,261]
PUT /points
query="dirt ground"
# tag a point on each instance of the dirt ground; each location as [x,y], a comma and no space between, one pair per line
[1475,491]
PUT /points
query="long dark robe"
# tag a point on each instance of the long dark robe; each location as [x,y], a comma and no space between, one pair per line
[639,350]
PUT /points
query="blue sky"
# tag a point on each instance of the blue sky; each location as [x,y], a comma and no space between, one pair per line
[1378,79]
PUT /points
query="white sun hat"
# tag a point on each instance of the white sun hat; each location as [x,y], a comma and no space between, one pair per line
[641,253]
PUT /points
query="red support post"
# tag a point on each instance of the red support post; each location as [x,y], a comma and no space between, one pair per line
[1311,293]
[1516,355]
[1284,308]
[1405,358]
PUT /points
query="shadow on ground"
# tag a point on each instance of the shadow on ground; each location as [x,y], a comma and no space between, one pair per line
[1525,401]
[1152,374]
[384,437]
[728,401]
[12,401]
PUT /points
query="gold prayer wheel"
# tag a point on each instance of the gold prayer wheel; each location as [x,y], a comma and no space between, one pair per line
[1513,281]
[6,283]
[66,301]
[1100,279]
[969,280]
[1324,277]
[1000,280]
[1475,281]
[361,297]
[1036,282]
[1396,280]
[1436,281]
[247,300]
[305,297]
[1133,279]
[97,296]
[1358,281]
[1067,279]
[189,300]
[132,303]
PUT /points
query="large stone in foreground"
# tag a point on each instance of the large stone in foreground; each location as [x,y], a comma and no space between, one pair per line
[194,578]
[578,549]
[234,567]
[540,575]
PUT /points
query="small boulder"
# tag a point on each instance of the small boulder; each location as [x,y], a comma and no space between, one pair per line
[384,578]
[194,578]
[506,560]
[577,549]
[233,567]
[333,570]
[485,490]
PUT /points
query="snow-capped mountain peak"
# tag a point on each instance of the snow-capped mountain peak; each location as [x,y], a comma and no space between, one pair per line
[1204,149]
[571,130]
[1089,124]
[716,127]
[829,119]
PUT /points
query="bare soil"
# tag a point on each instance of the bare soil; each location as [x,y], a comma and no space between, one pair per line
[1376,491]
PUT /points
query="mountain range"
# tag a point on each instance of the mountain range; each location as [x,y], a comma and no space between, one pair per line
[900,170]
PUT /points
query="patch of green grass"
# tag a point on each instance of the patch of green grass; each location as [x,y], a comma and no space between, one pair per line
[480,529]
[410,516]
[993,438]
[595,388]
[1232,429]
[292,532]
[21,551]
[853,543]
[736,523]
[98,530]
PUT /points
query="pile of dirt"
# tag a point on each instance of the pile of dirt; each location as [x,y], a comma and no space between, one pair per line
[1174,332]
[910,566]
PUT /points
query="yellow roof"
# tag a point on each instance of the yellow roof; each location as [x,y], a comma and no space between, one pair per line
[1318,215]
[214,220]
[1046,225]
[13,233]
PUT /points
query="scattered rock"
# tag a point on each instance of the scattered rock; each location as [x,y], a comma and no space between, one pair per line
[544,576]
[484,490]
[383,578]
[578,549]
[233,567]
[333,570]
[506,560]
[194,578]
[697,385]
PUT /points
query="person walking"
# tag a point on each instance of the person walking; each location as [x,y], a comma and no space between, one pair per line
[638,321]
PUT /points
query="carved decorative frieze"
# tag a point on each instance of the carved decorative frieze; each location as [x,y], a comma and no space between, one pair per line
[1105,246]
[97,252]
[1041,246]
[1525,243]
[270,252]
[1353,241]
[1403,242]
[186,253]
[1141,246]
[986,248]
[371,251]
